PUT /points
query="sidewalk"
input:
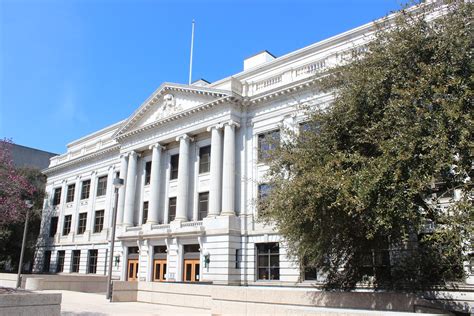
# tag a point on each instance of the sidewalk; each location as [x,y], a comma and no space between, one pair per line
[91,304]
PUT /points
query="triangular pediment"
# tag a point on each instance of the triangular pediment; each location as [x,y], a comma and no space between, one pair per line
[169,100]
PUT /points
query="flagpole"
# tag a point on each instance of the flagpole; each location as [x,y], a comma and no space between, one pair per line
[191,57]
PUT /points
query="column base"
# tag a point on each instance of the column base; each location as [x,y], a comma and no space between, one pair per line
[228,213]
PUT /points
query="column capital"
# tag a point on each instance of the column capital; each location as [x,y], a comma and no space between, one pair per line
[217,127]
[157,145]
[231,123]
[185,137]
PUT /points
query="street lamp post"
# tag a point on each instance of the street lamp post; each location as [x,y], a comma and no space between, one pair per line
[118,182]
[29,205]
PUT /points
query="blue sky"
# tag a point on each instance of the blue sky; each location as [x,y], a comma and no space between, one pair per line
[69,68]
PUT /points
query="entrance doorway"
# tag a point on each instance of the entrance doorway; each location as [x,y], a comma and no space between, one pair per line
[132,274]
[191,262]
[159,270]
[191,270]
[132,264]
[159,264]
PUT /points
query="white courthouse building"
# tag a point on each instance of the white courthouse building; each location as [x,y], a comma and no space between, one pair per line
[190,156]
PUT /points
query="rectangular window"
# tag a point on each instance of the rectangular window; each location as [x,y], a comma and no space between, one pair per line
[268,261]
[53,226]
[85,189]
[67,225]
[81,225]
[75,260]
[92,261]
[174,164]
[310,127]
[147,172]
[267,142]
[98,221]
[102,186]
[172,209]
[70,193]
[46,261]
[145,212]
[57,196]
[204,159]
[309,273]
[263,191]
[203,205]
[60,261]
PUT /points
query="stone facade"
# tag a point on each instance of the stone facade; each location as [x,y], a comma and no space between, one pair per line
[194,214]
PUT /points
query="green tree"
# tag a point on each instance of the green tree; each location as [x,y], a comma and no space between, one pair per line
[353,193]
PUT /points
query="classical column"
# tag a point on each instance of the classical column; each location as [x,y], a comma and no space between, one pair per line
[123,175]
[130,190]
[183,177]
[215,187]
[228,172]
[153,216]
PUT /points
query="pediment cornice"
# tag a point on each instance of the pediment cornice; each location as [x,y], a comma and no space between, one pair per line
[179,115]
[157,96]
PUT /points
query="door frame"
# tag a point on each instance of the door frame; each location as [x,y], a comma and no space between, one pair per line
[194,263]
[162,262]
[135,262]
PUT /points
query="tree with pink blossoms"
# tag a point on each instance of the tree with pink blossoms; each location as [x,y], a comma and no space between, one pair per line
[14,188]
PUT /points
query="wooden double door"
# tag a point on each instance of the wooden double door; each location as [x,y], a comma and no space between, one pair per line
[159,269]
[132,270]
[191,270]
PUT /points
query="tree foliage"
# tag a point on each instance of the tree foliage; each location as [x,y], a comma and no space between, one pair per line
[354,192]
[17,185]
[14,188]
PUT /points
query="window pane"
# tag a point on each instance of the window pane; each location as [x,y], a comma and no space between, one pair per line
[57,196]
[172,209]
[67,224]
[266,143]
[145,212]
[174,163]
[60,261]
[188,272]
[147,172]
[274,274]
[99,221]
[204,159]
[70,193]
[102,186]
[262,274]
[263,260]
[203,205]
[85,190]
[53,226]
[268,261]
[310,274]
[81,228]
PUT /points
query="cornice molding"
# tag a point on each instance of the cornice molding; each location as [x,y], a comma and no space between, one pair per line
[81,159]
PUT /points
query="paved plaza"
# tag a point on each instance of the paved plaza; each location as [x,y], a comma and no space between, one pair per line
[91,304]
